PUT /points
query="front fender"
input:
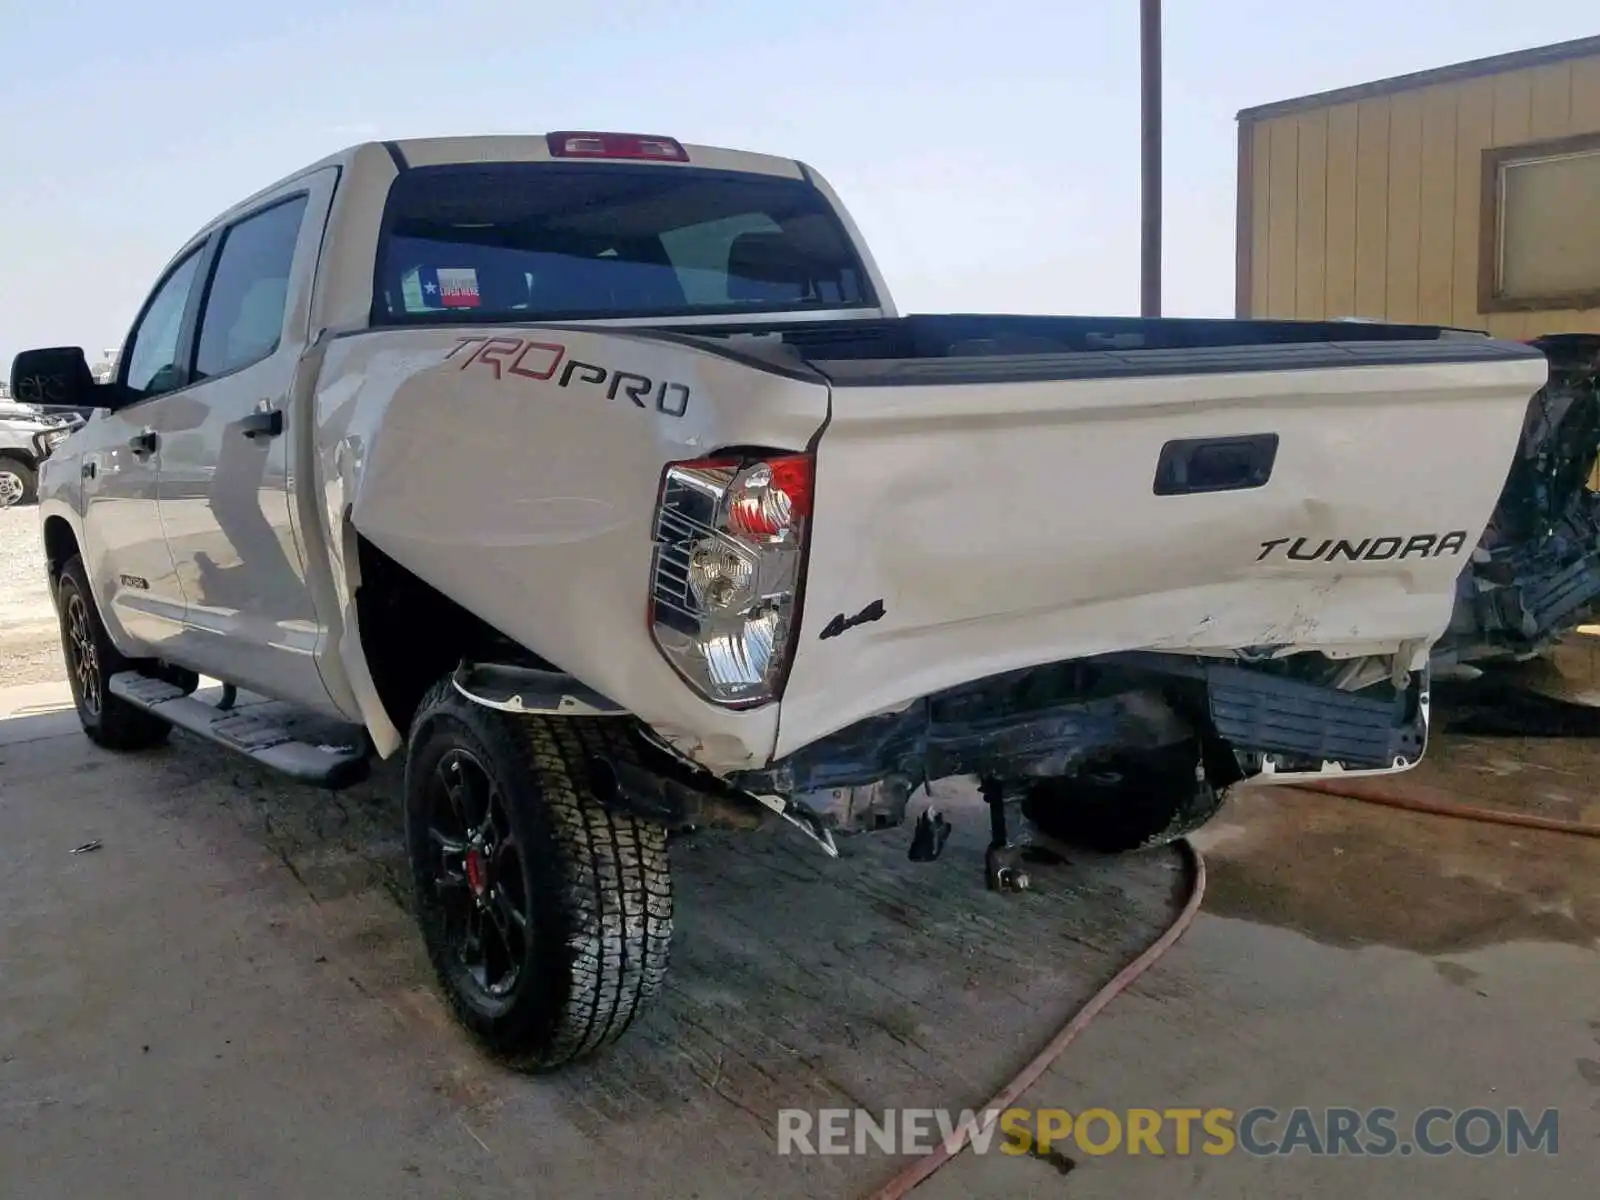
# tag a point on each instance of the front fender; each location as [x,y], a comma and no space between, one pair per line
[61,515]
[61,531]
[61,478]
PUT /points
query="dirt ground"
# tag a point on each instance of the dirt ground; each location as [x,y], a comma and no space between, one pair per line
[227,997]
[29,649]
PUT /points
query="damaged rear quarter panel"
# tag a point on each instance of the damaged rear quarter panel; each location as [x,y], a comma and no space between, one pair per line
[1536,574]
[516,470]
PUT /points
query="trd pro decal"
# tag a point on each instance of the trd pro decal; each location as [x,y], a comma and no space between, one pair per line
[544,361]
[1373,549]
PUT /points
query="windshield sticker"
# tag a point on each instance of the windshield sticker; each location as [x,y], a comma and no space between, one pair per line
[448,287]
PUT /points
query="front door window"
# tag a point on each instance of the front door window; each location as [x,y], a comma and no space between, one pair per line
[155,357]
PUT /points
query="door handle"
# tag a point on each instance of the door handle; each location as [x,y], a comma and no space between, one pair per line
[1224,464]
[144,442]
[87,470]
[263,423]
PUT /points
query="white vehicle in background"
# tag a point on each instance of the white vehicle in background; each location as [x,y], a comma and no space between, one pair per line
[28,434]
[598,476]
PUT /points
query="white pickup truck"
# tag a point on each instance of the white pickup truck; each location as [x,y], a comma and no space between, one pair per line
[598,476]
[27,436]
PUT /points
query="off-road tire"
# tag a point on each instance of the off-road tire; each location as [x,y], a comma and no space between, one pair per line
[597,883]
[27,478]
[1134,803]
[109,720]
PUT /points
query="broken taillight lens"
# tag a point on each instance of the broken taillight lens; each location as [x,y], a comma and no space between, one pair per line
[730,540]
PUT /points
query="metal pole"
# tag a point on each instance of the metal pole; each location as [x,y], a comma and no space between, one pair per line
[1150,164]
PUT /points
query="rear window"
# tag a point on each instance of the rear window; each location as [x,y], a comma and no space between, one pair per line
[572,241]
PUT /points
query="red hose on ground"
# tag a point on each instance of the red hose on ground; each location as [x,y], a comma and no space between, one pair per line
[1425,800]
[1366,791]
[920,1170]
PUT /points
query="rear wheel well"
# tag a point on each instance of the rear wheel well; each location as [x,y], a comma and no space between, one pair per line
[412,634]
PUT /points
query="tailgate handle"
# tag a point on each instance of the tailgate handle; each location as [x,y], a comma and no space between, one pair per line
[1225,464]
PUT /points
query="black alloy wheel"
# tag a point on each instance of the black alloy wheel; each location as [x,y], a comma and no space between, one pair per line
[480,879]
[83,660]
[545,906]
[91,661]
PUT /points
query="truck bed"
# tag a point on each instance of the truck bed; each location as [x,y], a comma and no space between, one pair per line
[990,493]
[982,347]
[994,493]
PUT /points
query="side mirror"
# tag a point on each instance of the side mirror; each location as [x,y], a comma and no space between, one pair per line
[58,377]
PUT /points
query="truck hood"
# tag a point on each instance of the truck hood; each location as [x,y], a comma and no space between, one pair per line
[11,410]
[24,427]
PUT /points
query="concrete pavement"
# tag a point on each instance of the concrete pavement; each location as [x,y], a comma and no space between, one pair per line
[227,998]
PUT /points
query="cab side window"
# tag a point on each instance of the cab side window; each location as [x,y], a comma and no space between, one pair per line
[155,358]
[249,293]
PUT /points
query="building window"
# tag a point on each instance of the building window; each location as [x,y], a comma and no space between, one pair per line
[1540,239]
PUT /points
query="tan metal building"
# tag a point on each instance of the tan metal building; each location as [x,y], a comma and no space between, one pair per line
[1467,195]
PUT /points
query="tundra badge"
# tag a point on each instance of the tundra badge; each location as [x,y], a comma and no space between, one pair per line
[1379,549]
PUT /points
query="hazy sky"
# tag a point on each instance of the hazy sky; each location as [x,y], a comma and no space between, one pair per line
[989,150]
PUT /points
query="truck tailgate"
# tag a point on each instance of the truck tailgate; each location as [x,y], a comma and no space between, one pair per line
[976,516]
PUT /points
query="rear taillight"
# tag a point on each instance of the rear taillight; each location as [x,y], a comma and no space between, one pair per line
[730,555]
[572,144]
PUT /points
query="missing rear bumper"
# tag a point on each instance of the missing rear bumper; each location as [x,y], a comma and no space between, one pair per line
[1283,717]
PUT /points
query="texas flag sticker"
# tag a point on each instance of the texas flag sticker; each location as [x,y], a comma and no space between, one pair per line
[449,287]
